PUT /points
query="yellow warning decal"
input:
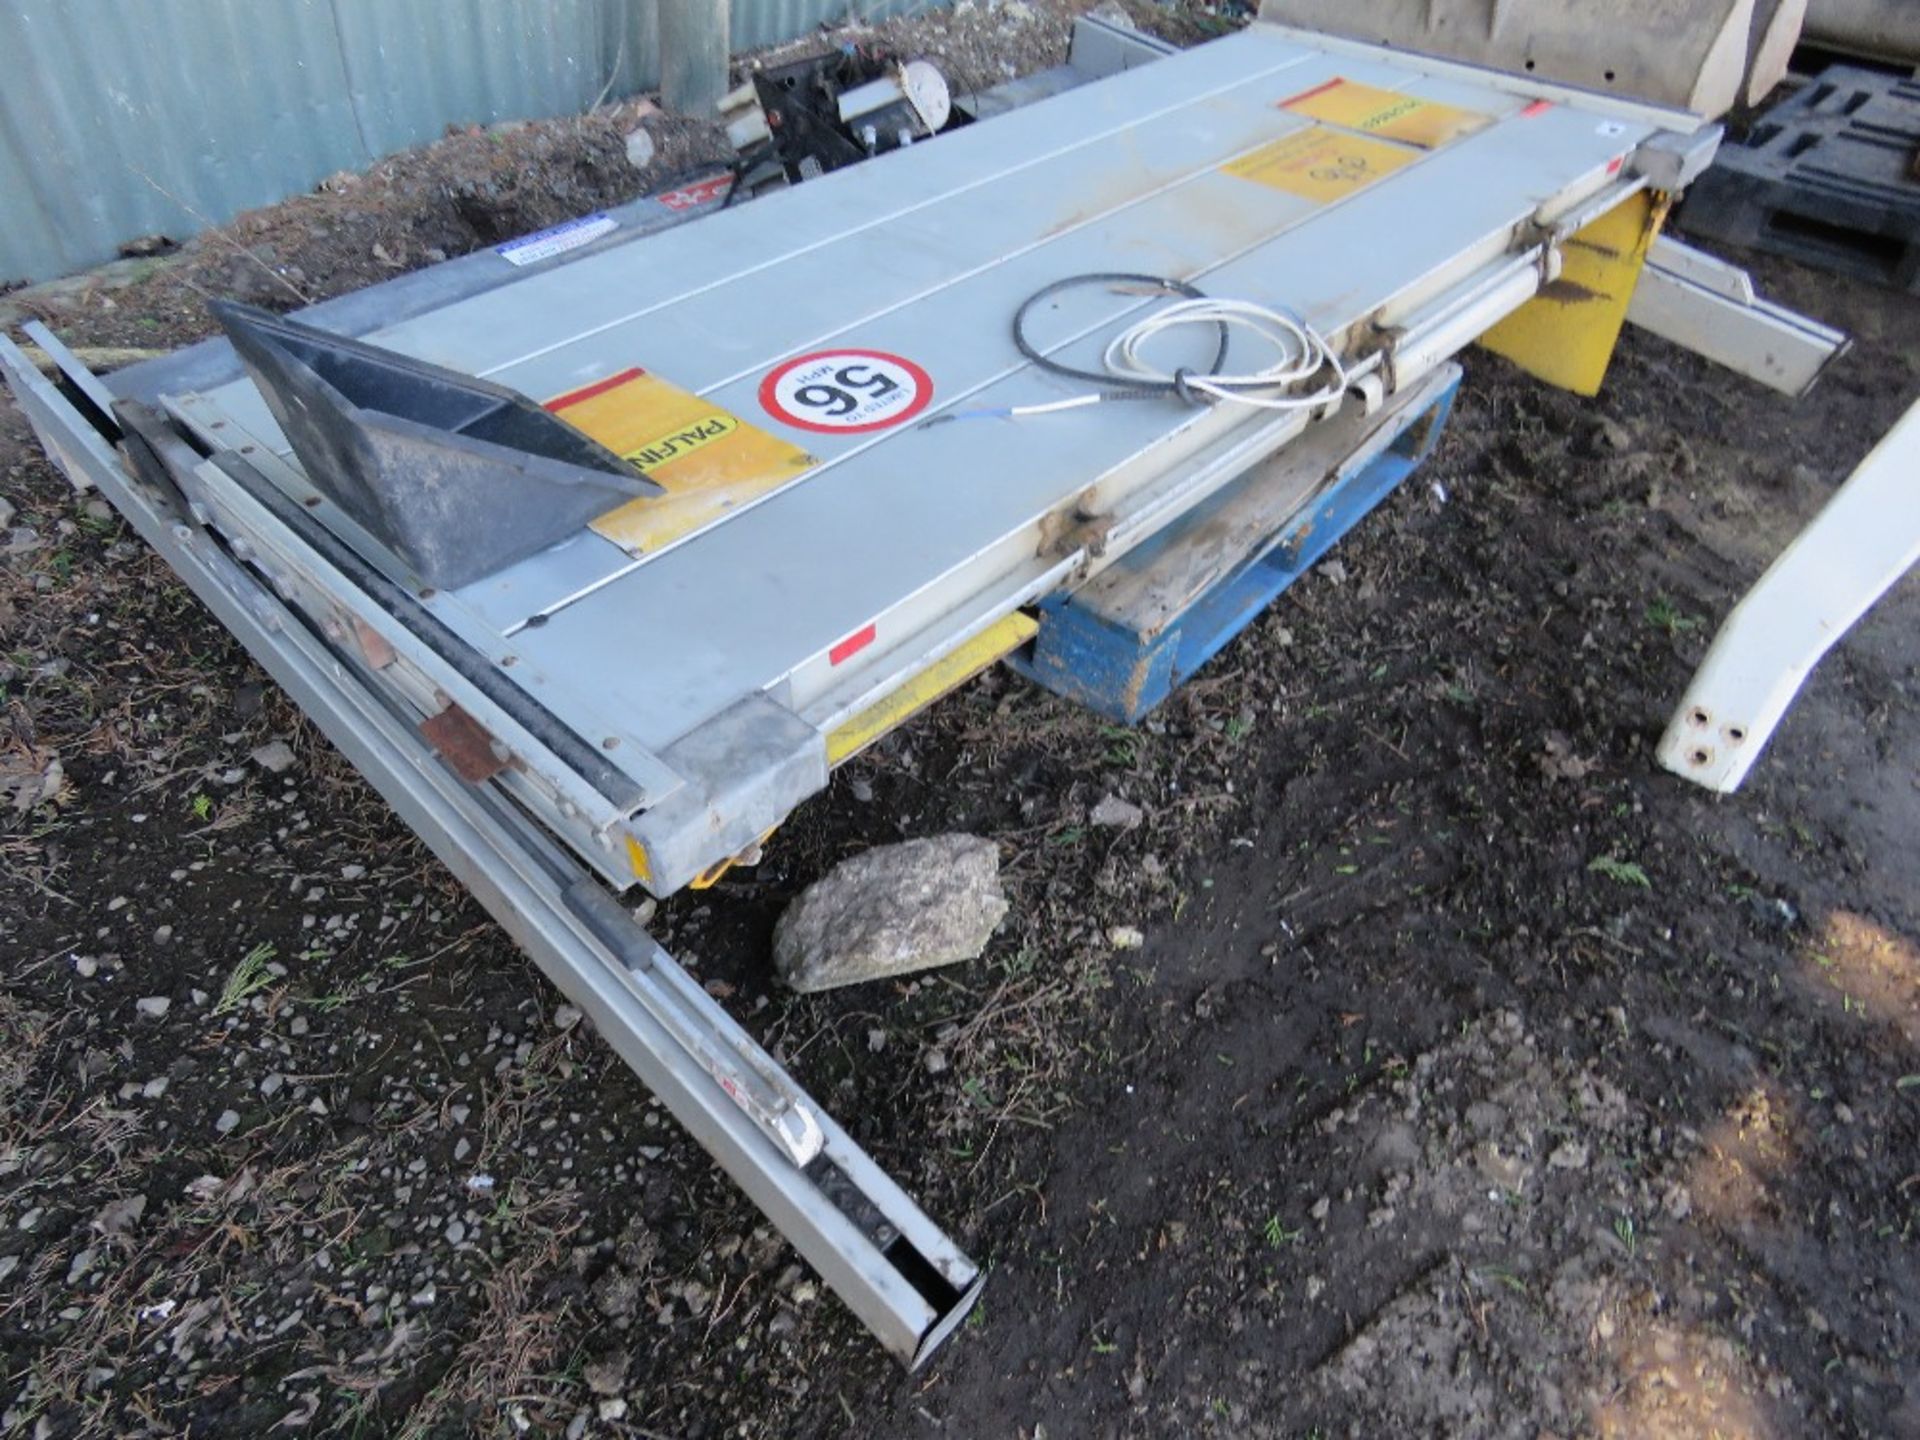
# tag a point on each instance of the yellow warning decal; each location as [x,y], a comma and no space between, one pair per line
[708,461]
[940,678]
[1320,164]
[1386,113]
[637,857]
[716,872]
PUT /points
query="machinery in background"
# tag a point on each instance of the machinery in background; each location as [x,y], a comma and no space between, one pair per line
[1885,30]
[801,120]
[1705,56]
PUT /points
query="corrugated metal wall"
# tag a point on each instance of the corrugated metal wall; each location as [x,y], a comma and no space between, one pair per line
[121,118]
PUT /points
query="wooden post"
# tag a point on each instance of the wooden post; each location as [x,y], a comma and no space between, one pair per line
[693,55]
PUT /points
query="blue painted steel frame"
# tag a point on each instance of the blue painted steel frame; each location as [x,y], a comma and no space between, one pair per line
[1113,667]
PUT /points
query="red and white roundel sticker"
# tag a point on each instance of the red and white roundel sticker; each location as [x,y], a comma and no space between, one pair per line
[846,392]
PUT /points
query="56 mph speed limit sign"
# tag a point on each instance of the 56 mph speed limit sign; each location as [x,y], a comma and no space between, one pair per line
[846,392]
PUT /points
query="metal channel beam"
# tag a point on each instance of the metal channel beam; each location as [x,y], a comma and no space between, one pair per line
[1099,48]
[879,1252]
[76,382]
[1710,307]
[1866,538]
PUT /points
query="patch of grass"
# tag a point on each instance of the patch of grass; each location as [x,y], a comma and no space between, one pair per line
[1503,1277]
[1621,872]
[1019,965]
[1278,1234]
[1665,616]
[248,979]
[1123,751]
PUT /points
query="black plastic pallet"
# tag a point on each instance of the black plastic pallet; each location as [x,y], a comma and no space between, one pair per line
[1828,177]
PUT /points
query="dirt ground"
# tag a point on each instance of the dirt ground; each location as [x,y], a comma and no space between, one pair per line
[1471,1076]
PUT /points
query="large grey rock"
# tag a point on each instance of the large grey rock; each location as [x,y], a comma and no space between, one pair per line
[892,911]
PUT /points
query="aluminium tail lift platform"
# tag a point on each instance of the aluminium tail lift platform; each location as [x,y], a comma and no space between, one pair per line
[795,431]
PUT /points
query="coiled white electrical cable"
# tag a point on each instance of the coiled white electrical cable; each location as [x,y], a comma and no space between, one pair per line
[1300,354]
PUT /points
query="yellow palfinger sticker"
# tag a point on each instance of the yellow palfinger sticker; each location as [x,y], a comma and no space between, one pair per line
[1386,113]
[681,443]
[709,461]
[1320,164]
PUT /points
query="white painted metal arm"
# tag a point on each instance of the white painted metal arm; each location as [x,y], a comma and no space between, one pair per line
[1866,538]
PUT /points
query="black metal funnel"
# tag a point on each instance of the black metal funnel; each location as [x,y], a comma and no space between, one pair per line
[457,476]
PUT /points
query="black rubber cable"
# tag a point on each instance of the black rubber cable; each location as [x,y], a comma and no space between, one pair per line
[1137,390]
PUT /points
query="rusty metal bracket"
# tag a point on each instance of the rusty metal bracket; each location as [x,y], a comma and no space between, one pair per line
[461,741]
